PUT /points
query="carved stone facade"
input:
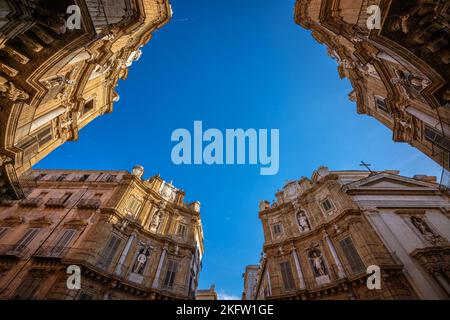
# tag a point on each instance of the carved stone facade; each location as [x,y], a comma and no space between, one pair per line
[99,221]
[250,280]
[54,80]
[400,72]
[207,294]
[322,234]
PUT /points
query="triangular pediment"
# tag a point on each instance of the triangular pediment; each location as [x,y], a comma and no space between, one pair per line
[391,182]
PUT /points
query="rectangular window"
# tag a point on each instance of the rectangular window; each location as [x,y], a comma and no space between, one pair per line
[88,106]
[40,176]
[352,255]
[327,205]
[66,197]
[28,288]
[286,274]
[110,251]
[26,239]
[63,241]
[277,229]
[133,206]
[172,269]
[381,104]
[110,178]
[62,177]
[84,177]
[3,231]
[182,230]
[44,136]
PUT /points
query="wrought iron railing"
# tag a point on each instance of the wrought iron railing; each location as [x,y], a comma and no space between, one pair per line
[8,250]
[56,203]
[89,204]
[31,202]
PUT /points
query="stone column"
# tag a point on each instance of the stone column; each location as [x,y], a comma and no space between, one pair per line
[118,270]
[268,282]
[341,272]
[158,271]
[299,269]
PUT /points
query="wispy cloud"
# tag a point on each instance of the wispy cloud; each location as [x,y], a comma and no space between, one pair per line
[225,296]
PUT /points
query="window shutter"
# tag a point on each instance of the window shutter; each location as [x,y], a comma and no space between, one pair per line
[63,241]
[26,239]
[28,287]
[352,255]
[286,274]
[3,231]
[110,251]
[172,269]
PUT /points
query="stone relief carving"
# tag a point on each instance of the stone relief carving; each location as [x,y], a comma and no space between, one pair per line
[425,230]
[4,160]
[10,91]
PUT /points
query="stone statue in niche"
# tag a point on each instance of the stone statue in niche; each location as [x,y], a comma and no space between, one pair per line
[317,263]
[303,222]
[156,221]
[424,229]
[141,260]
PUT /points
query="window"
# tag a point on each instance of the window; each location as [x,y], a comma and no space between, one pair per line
[44,136]
[381,104]
[62,177]
[26,239]
[28,288]
[286,274]
[63,241]
[327,205]
[437,138]
[97,196]
[65,197]
[42,194]
[40,176]
[352,255]
[182,230]
[110,251]
[3,231]
[88,106]
[110,178]
[277,229]
[172,269]
[133,206]
[83,178]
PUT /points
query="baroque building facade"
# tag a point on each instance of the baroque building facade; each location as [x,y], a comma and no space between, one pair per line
[398,63]
[130,238]
[206,294]
[250,280]
[58,75]
[323,234]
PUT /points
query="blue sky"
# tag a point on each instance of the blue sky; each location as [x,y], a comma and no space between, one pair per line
[235,64]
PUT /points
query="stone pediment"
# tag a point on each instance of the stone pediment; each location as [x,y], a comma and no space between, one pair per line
[391,182]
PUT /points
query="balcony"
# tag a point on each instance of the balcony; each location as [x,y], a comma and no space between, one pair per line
[31,202]
[51,252]
[89,204]
[56,203]
[12,251]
